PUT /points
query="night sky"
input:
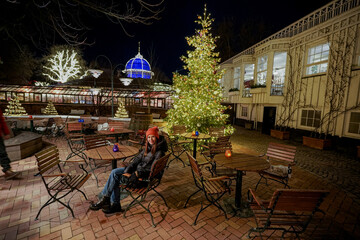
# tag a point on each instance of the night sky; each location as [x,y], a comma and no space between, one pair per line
[167,36]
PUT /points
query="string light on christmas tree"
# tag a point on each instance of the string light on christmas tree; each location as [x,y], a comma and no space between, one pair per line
[50,109]
[15,108]
[198,94]
[121,111]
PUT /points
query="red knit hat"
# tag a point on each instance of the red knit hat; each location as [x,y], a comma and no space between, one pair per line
[153,131]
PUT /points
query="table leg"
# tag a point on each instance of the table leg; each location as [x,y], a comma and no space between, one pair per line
[114,164]
[238,189]
[194,152]
[31,125]
[117,138]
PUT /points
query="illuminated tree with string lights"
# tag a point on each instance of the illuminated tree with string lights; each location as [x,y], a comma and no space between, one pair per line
[198,94]
[64,64]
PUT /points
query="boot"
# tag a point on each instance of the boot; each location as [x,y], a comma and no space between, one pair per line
[105,201]
[112,208]
[9,174]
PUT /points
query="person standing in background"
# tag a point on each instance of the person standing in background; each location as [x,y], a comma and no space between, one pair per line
[4,159]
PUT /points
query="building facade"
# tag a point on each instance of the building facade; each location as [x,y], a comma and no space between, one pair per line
[305,77]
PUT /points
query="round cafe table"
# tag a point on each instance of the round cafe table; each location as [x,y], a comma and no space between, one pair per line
[106,153]
[195,138]
[241,162]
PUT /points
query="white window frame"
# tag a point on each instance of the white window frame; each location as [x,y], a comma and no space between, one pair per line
[356,123]
[312,118]
[278,73]
[261,70]
[317,59]
[244,111]
[237,75]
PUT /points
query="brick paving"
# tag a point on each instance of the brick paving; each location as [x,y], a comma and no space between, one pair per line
[21,199]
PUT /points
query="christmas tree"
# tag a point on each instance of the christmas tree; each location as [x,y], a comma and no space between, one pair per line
[121,111]
[15,108]
[198,93]
[50,109]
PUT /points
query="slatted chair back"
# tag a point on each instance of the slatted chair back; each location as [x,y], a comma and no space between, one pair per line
[194,167]
[282,152]
[158,167]
[139,194]
[74,127]
[116,125]
[94,141]
[223,139]
[296,200]
[178,129]
[47,159]
[216,131]
[87,118]
[219,147]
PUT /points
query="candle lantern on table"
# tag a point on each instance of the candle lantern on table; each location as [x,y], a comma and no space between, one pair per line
[193,133]
[228,153]
[112,129]
[115,148]
[196,133]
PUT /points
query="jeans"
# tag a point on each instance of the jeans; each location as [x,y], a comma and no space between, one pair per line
[4,159]
[111,188]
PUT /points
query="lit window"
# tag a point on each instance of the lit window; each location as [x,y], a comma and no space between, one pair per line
[248,79]
[278,74]
[237,77]
[261,70]
[354,124]
[244,111]
[310,118]
[317,59]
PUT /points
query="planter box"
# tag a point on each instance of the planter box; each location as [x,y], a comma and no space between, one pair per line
[317,143]
[283,135]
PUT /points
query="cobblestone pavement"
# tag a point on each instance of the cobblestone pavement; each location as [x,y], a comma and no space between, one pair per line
[334,167]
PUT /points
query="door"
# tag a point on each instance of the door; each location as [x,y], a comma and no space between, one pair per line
[268,119]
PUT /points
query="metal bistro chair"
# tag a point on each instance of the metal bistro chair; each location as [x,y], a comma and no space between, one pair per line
[176,148]
[289,210]
[91,142]
[215,148]
[58,183]
[74,137]
[213,188]
[281,158]
[139,194]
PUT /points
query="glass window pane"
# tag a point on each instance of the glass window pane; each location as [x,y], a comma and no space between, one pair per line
[303,121]
[355,117]
[317,114]
[353,128]
[316,123]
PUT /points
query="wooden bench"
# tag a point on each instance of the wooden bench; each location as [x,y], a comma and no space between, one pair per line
[281,158]
[23,145]
[289,210]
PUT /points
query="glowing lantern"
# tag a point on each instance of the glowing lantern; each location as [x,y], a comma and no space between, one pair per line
[30,116]
[193,133]
[115,148]
[112,129]
[196,133]
[228,153]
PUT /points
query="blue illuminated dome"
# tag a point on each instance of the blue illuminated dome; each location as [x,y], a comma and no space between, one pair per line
[138,67]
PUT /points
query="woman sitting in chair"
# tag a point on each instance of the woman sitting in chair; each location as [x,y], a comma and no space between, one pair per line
[140,167]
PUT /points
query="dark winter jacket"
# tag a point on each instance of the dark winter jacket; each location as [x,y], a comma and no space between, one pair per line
[143,164]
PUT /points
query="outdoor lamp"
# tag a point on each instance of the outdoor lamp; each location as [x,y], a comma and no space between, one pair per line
[193,133]
[126,81]
[112,129]
[228,153]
